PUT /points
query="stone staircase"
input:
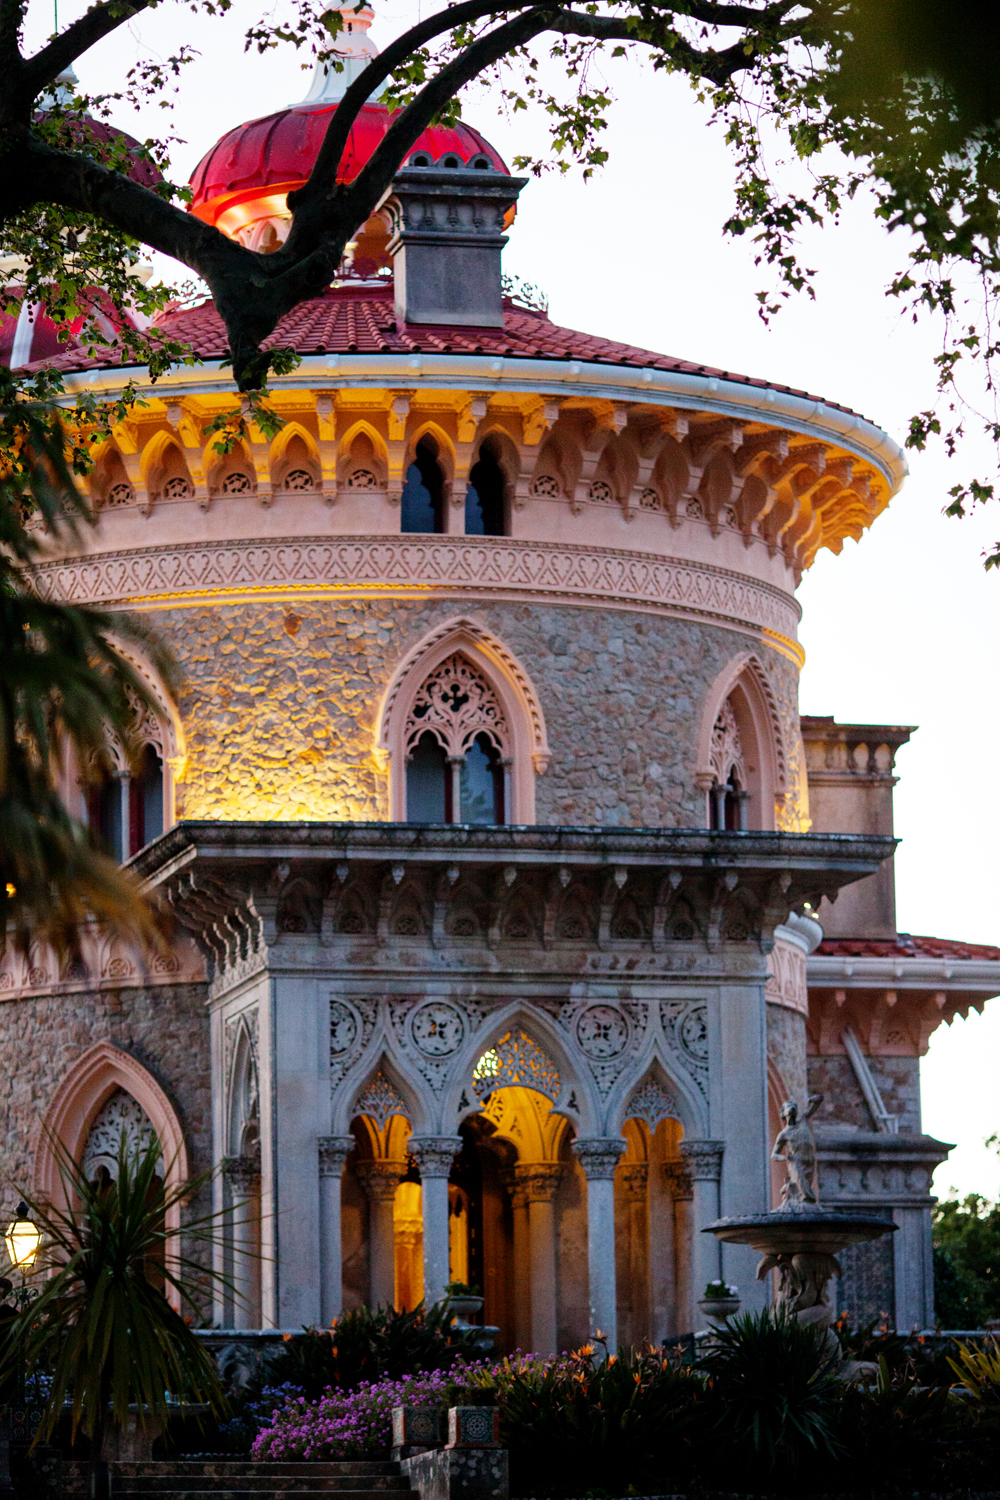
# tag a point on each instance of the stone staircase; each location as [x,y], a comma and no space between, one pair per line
[235,1479]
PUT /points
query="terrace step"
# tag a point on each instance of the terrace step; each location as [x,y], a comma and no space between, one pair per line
[236,1479]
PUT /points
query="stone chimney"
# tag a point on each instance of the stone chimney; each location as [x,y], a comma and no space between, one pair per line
[446,235]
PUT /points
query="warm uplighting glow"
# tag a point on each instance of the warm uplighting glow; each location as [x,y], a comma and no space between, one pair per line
[11,889]
[22,1240]
[487,1067]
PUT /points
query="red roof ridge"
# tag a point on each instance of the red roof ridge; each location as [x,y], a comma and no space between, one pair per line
[907,945]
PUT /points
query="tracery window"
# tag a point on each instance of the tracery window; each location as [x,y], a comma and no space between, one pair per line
[121,1117]
[484,498]
[422,504]
[124,800]
[729,797]
[457,749]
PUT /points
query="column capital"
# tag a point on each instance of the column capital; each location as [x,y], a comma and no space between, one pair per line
[634,1177]
[241,1172]
[599,1155]
[538,1181]
[380,1179]
[704,1159]
[333,1152]
[679,1181]
[434,1154]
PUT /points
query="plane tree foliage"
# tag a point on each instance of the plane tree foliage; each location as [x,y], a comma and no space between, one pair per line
[817,100]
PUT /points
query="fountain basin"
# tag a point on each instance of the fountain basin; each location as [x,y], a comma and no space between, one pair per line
[800,1231]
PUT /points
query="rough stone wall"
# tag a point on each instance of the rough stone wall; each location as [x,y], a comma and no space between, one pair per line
[279,704]
[897,1080]
[786,1051]
[164,1028]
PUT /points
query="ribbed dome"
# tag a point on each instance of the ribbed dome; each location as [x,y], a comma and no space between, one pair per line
[267,158]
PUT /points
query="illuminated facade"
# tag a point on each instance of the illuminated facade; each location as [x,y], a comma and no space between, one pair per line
[484,803]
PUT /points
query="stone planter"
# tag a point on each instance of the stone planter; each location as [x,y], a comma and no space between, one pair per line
[717,1309]
[463,1309]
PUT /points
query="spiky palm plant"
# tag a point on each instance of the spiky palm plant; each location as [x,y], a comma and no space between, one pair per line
[101,1324]
[64,685]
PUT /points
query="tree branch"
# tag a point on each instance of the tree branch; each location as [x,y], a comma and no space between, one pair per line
[716,66]
[92,27]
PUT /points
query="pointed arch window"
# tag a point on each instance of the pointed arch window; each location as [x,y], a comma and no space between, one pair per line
[125,800]
[422,506]
[457,749]
[729,797]
[484,499]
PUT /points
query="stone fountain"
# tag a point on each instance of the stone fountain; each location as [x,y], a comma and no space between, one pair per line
[800,1240]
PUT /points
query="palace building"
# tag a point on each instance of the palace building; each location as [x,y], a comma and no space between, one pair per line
[513,894]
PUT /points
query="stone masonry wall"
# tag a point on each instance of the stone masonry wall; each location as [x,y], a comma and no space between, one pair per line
[786,1051]
[279,703]
[164,1028]
[897,1080]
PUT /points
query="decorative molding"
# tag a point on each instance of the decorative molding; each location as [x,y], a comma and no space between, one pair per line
[455,703]
[352,1024]
[685,1026]
[493,568]
[538,1182]
[703,1159]
[333,1151]
[120,1117]
[651,1102]
[380,1100]
[242,1174]
[434,1154]
[380,1179]
[679,1183]
[516,1061]
[599,1156]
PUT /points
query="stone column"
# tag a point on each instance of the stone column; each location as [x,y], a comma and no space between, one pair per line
[682,1191]
[704,1162]
[599,1156]
[434,1155]
[634,1179]
[333,1152]
[380,1179]
[522,1259]
[242,1173]
[541,1181]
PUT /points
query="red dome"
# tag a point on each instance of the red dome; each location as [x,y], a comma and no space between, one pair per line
[265,159]
[89,136]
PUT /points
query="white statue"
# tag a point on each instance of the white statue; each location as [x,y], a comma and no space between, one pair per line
[796,1147]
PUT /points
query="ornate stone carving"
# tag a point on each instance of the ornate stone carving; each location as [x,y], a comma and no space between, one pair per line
[727,748]
[472,566]
[651,1102]
[434,1154]
[679,1182]
[380,1100]
[599,1155]
[795,1145]
[602,1031]
[380,1179]
[634,1178]
[685,1026]
[437,1028]
[333,1151]
[703,1159]
[121,1117]
[538,1182]
[456,703]
[516,1059]
[351,1027]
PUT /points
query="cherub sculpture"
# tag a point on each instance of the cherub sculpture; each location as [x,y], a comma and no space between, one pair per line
[796,1147]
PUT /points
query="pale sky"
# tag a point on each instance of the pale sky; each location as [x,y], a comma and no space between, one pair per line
[902,627]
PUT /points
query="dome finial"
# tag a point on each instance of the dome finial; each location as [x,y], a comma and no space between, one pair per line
[354,47]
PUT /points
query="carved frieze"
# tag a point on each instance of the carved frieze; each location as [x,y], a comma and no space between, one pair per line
[685,1027]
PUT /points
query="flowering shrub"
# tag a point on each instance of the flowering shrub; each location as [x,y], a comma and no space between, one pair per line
[354,1424]
[255,1412]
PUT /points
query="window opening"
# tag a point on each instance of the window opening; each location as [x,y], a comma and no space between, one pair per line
[104,814]
[422,507]
[145,800]
[484,507]
[481,783]
[428,782]
[729,800]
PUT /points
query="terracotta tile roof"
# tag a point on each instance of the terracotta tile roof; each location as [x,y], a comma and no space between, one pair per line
[360,320]
[905,945]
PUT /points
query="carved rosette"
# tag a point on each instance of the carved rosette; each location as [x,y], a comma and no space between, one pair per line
[703,1159]
[333,1151]
[685,1027]
[430,1032]
[351,1026]
[434,1154]
[608,1036]
[599,1156]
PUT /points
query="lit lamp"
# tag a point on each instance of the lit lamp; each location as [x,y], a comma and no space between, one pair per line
[22,1240]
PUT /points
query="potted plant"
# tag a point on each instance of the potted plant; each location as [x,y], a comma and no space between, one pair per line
[721,1301]
[464,1301]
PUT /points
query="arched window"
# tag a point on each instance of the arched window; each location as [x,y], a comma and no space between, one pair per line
[457,757]
[145,799]
[729,797]
[484,499]
[422,507]
[105,812]
[428,782]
